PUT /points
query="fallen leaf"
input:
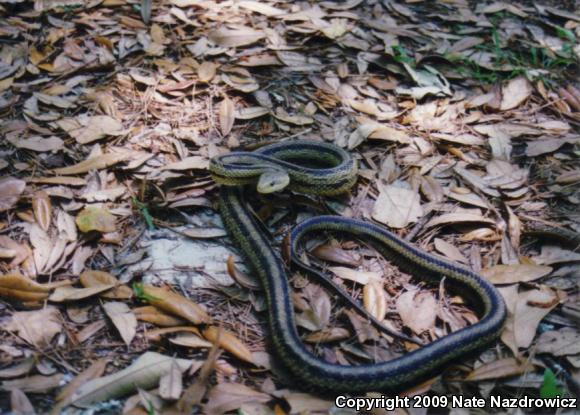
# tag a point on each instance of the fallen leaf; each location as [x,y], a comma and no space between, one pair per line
[226,115]
[374,300]
[171,384]
[397,207]
[175,304]
[42,209]
[21,288]
[235,38]
[19,403]
[449,250]
[563,342]
[123,319]
[498,369]
[250,113]
[155,316]
[188,163]
[34,384]
[144,373]
[206,71]
[416,309]
[95,370]
[10,191]
[229,342]
[36,327]
[93,278]
[94,163]
[362,277]
[87,129]
[226,397]
[63,294]
[93,218]
[510,274]
[38,143]
[515,92]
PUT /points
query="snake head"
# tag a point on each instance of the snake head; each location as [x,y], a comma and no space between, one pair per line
[273,181]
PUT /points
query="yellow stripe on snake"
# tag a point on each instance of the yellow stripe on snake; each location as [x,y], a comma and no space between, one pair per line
[323,169]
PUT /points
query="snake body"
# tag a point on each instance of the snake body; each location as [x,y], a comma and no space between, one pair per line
[335,173]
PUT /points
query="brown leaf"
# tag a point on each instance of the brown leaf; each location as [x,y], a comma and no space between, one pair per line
[243,279]
[38,143]
[95,370]
[36,327]
[497,369]
[63,294]
[171,384]
[397,207]
[86,129]
[94,163]
[175,304]
[19,403]
[416,309]
[123,319]
[515,92]
[97,219]
[34,384]
[153,315]
[234,38]
[226,116]
[21,288]
[362,277]
[449,250]
[329,252]
[229,342]
[226,397]
[19,369]
[188,163]
[206,71]
[92,278]
[42,209]
[250,113]
[328,335]
[510,274]
[19,252]
[10,191]
[374,300]
[563,342]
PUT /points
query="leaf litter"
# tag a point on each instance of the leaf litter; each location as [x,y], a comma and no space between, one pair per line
[111,112]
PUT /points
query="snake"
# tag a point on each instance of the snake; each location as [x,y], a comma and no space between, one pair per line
[324,169]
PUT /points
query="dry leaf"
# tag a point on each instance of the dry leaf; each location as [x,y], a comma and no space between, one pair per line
[226,397]
[498,369]
[226,116]
[94,163]
[510,274]
[171,384]
[362,277]
[86,129]
[42,209]
[97,219]
[34,384]
[123,319]
[62,294]
[234,38]
[36,327]
[95,370]
[515,92]
[229,342]
[153,315]
[175,304]
[21,288]
[38,143]
[563,342]
[250,113]
[188,163]
[144,373]
[375,300]
[206,71]
[10,191]
[92,278]
[397,207]
[416,309]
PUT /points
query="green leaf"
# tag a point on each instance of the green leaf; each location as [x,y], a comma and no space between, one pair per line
[549,388]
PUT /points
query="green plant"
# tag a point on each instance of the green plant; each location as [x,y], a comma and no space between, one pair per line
[142,207]
[549,388]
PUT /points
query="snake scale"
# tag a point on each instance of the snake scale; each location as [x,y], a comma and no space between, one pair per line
[323,169]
